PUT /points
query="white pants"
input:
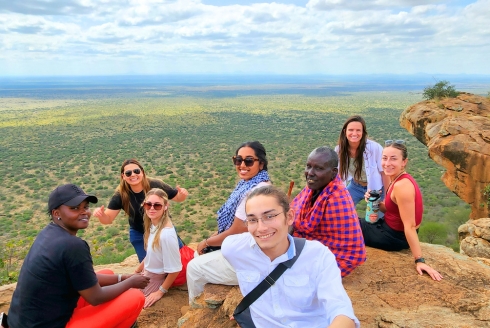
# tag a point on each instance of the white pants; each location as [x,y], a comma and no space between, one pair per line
[208,268]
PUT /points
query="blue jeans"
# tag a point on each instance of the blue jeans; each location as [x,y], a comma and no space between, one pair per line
[136,239]
[357,193]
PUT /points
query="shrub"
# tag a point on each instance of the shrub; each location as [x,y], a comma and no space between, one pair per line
[441,89]
[433,233]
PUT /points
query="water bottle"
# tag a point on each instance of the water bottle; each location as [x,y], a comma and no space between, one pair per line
[373,205]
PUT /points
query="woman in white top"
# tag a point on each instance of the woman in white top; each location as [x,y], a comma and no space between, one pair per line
[359,159]
[162,263]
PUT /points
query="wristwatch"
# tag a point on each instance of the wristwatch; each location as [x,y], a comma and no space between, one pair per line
[420,260]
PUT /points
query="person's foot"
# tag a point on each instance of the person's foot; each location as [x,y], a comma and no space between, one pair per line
[135,325]
[184,309]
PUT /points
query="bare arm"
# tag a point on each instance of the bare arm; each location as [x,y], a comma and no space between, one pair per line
[404,194]
[96,294]
[181,194]
[105,216]
[216,240]
[342,321]
[110,279]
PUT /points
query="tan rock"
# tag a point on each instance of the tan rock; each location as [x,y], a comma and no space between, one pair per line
[457,134]
[386,291]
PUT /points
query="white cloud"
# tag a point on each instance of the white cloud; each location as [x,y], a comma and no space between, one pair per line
[325,36]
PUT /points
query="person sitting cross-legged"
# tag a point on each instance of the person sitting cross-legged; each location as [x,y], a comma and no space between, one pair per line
[310,292]
[324,211]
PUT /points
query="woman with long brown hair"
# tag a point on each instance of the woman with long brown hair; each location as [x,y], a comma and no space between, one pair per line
[129,195]
[359,159]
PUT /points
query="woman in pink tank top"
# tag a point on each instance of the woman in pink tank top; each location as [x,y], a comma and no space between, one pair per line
[403,208]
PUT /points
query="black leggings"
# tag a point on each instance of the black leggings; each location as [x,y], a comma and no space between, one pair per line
[380,235]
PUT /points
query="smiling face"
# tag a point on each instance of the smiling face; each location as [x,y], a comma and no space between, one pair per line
[248,172]
[72,218]
[134,180]
[392,161]
[354,132]
[271,238]
[318,171]
[152,213]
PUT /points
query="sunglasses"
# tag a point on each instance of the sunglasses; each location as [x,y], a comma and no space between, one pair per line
[156,206]
[249,160]
[129,173]
[398,142]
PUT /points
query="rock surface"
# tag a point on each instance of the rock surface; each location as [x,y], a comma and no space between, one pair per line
[474,238]
[457,134]
[386,291]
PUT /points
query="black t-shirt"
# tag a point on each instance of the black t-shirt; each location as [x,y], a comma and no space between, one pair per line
[57,266]
[135,215]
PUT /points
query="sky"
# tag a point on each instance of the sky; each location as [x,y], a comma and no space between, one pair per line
[139,37]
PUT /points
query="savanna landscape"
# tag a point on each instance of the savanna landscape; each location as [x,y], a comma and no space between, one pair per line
[185,133]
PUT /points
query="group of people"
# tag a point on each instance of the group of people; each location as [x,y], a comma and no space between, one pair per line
[257,229]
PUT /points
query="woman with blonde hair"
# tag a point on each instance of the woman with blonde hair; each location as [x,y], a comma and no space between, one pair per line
[133,186]
[162,263]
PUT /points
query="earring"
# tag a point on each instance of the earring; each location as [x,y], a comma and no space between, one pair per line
[59,219]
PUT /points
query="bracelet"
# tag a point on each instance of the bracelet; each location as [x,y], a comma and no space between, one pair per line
[119,277]
[163,290]
[420,260]
[206,242]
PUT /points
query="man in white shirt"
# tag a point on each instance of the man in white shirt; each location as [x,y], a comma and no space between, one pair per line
[310,293]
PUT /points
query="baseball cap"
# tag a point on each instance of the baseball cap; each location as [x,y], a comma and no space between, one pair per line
[69,195]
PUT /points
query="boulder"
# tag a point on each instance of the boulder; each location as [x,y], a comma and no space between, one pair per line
[474,238]
[457,134]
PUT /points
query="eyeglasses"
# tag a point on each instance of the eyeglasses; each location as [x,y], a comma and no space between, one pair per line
[266,219]
[249,160]
[129,173]
[156,206]
[398,142]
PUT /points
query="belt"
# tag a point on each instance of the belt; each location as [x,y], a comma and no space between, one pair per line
[364,184]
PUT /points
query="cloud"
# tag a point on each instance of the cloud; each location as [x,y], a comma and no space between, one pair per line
[47,7]
[365,4]
[324,36]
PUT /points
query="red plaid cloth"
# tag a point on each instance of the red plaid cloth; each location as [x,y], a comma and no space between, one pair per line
[333,221]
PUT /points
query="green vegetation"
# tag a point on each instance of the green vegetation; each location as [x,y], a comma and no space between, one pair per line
[486,193]
[441,89]
[186,140]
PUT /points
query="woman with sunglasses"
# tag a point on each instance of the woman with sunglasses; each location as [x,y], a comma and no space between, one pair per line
[403,209]
[57,284]
[162,263]
[129,195]
[359,159]
[250,162]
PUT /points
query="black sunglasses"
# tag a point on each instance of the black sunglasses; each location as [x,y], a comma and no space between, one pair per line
[129,173]
[249,160]
[156,206]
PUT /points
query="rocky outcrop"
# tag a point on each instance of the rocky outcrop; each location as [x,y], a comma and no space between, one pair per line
[457,134]
[474,238]
[386,291]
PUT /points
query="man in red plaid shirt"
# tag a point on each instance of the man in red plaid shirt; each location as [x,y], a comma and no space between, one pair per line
[324,211]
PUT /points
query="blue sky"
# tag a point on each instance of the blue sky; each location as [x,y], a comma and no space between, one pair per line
[106,37]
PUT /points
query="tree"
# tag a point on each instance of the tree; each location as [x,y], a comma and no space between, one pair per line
[441,89]
[433,233]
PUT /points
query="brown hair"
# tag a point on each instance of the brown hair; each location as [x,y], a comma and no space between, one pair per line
[163,220]
[344,157]
[271,191]
[401,147]
[124,188]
